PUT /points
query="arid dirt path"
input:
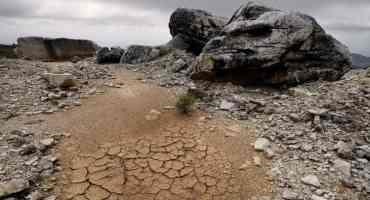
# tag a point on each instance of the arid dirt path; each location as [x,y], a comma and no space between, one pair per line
[120,147]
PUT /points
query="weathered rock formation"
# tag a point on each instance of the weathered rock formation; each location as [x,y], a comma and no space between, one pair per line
[136,54]
[108,56]
[195,27]
[269,46]
[7,51]
[38,48]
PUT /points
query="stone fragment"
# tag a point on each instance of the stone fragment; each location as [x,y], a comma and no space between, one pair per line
[290,195]
[311,180]
[12,187]
[47,142]
[153,115]
[262,144]
[344,150]
[315,197]
[226,105]
[343,167]
[179,65]
[35,195]
[299,92]
[28,149]
[257,161]
[65,80]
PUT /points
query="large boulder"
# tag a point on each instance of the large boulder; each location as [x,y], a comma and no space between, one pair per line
[269,46]
[195,27]
[136,54]
[38,48]
[7,51]
[109,56]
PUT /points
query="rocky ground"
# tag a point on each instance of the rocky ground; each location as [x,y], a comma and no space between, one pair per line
[25,93]
[315,136]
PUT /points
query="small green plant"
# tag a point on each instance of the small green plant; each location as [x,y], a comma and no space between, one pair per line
[185,103]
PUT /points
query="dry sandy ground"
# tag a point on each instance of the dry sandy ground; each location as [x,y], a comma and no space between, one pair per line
[121,147]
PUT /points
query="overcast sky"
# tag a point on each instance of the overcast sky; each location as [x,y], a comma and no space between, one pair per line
[124,22]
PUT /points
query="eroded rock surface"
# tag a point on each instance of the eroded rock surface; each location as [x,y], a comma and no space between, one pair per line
[109,56]
[136,54]
[264,45]
[7,51]
[38,48]
[195,27]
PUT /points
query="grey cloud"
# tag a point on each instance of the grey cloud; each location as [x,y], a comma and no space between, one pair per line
[17,8]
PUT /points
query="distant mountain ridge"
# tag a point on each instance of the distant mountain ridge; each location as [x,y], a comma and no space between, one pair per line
[360,61]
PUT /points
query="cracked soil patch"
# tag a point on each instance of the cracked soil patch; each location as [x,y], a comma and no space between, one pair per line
[116,151]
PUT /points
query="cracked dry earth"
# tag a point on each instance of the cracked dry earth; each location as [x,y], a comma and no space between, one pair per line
[128,144]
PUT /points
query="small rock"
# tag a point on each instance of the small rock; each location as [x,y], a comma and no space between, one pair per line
[300,92]
[306,147]
[258,102]
[12,187]
[36,195]
[343,167]
[92,91]
[344,150]
[153,115]
[363,151]
[47,142]
[311,180]
[262,144]
[315,197]
[318,112]
[245,165]
[52,197]
[28,149]
[289,195]
[257,161]
[294,117]
[178,66]
[226,105]
[32,161]
[75,59]
[65,80]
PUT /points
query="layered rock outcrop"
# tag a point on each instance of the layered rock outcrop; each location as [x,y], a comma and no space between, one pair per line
[269,46]
[38,48]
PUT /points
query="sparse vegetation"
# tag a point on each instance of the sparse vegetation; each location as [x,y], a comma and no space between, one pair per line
[185,103]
